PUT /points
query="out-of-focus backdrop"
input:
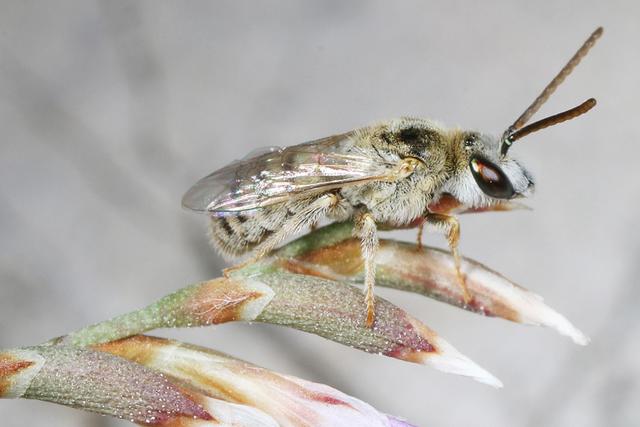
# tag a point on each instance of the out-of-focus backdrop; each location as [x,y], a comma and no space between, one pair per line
[110,110]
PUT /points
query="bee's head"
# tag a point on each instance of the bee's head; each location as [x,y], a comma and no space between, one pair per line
[482,175]
[483,172]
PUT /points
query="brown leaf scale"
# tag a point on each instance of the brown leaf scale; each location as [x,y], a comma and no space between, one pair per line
[139,349]
[219,304]
[9,366]
[343,258]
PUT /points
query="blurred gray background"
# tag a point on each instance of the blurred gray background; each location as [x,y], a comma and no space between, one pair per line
[110,110]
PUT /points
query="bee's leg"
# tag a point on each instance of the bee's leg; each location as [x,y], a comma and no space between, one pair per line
[310,214]
[367,231]
[419,239]
[451,227]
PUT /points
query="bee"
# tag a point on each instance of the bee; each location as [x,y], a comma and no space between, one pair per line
[387,175]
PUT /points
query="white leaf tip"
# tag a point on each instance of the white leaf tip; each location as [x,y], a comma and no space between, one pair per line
[450,360]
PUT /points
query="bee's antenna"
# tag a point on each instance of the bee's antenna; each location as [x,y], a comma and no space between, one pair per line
[507,137]
[546,122]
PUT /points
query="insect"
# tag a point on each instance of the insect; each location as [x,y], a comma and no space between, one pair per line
[387,174]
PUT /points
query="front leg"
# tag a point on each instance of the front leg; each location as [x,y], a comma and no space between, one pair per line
[451,227]
[367,231]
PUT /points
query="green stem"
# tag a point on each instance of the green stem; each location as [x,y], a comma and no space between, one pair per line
[163,313]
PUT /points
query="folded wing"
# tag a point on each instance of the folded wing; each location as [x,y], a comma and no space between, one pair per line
[286,173]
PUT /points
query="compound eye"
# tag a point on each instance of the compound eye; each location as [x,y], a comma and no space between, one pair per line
[491,179]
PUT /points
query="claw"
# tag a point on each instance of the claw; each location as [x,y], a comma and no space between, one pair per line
[227,272]
[371,314]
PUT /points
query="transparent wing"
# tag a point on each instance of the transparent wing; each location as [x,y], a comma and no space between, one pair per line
[282,174]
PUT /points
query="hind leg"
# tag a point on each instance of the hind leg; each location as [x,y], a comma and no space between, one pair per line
[419,246]
[367,230]
[307,215]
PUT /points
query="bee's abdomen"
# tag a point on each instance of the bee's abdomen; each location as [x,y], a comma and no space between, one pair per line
[236,235]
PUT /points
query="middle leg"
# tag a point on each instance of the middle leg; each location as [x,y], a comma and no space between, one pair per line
[451,227]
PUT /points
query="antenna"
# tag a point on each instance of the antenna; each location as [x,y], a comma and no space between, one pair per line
[546,122]
[516,130]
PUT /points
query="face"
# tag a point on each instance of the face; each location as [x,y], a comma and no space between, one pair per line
[484,177]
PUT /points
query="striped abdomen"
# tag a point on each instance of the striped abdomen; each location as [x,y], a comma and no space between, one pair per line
[261,230]
[236,235]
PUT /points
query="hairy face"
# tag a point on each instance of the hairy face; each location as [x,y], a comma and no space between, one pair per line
[483,176]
